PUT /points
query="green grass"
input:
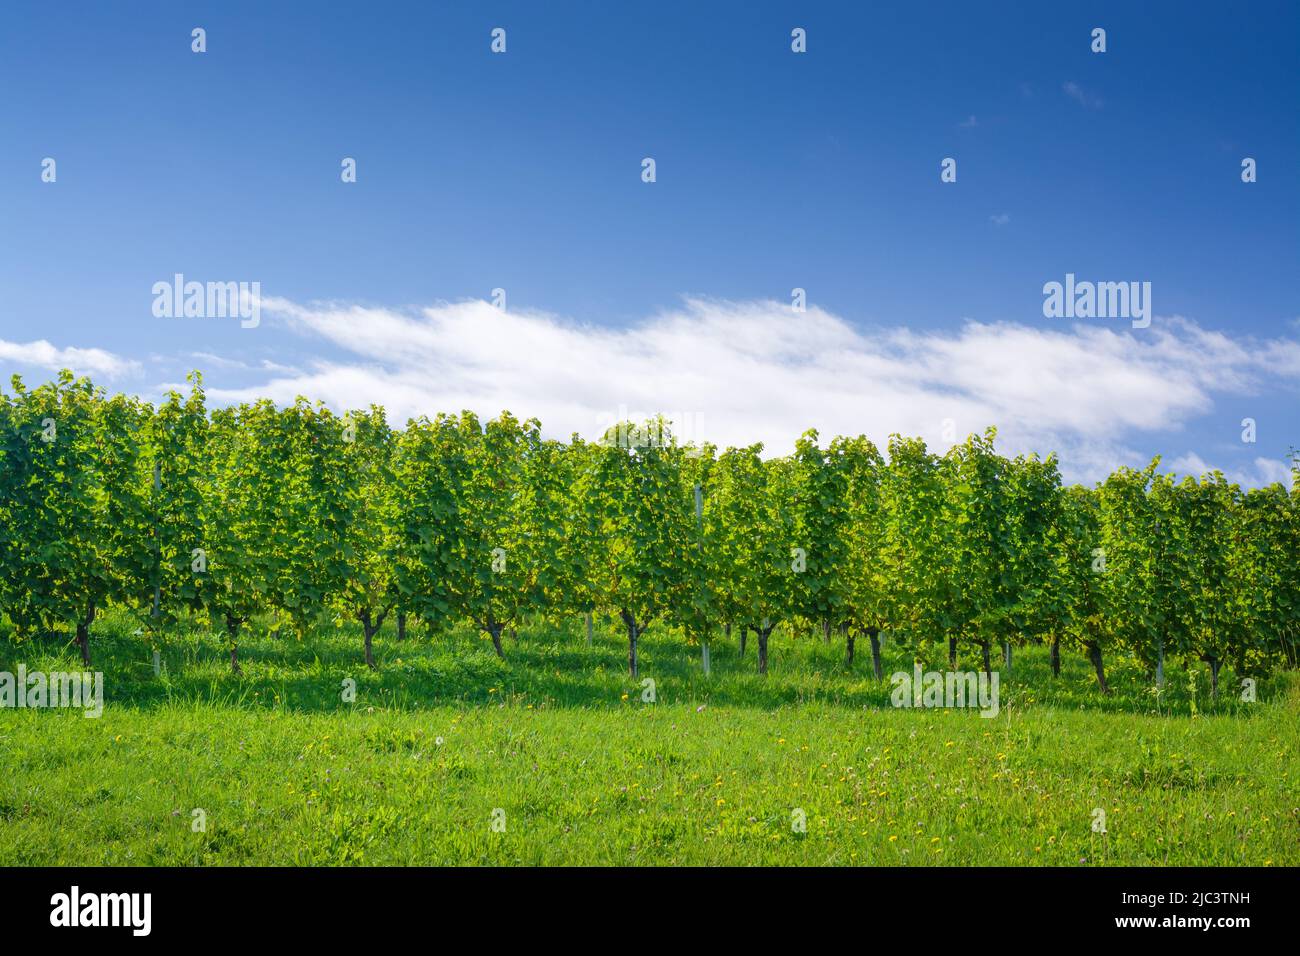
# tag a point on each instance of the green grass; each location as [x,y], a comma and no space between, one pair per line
[557,737]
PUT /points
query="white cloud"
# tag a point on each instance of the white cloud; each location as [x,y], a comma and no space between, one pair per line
[41,354]
[969,123]
[1261,472]
[1081,96]
[1269,471]
[209,360]
[1000,219]
[739,372]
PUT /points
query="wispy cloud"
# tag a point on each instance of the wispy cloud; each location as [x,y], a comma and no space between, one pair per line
[1087,100]
[1261,472]
[1000,219]
[209,360]
[969,123]
[43,355]
[737,372]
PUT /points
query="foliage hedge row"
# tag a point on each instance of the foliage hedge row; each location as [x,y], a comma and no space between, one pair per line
[227,512]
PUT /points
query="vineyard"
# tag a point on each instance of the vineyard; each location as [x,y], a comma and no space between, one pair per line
[687,437]
[328,641]
[185,516]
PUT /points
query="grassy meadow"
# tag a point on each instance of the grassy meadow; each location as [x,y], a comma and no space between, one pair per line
[449,755]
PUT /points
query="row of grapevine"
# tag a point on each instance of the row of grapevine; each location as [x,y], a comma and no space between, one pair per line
[234,511]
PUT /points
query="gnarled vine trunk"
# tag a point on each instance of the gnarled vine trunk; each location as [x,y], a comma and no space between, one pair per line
[874,634]
[232,634]
[370,635]
[370,626]
[1215,663]
[83,642]
[1056,656]
[634,632]
[83,635]
[763,632]
[494,631]
[1094,655]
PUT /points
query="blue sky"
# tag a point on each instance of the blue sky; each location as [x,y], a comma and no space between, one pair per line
[775,170]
